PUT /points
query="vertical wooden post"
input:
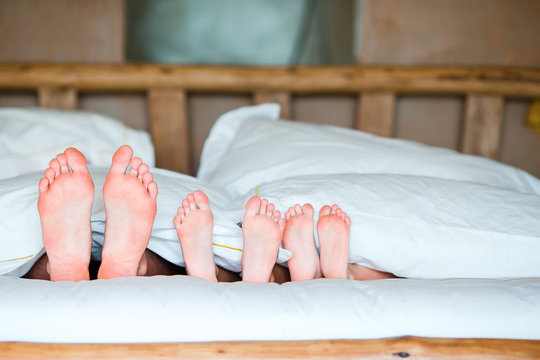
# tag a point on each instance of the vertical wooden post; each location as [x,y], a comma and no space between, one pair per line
[281,97]
[482,125]
[375,113]
[57,98]
[169,129]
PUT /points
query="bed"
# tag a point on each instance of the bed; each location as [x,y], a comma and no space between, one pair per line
[390,319]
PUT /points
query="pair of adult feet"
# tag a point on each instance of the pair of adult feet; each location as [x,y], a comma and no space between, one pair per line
[66,195]
[263,231]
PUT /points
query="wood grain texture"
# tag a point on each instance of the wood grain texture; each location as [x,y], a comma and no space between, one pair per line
[482,125]
[390,348]
[375,113]
[57,98]
[338,79]
[170,130]
[283,98]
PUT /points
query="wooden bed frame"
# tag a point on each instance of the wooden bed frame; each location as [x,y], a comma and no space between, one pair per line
[167,87]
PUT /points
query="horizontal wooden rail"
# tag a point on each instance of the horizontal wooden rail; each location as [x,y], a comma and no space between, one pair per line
[517,82]
[397,348]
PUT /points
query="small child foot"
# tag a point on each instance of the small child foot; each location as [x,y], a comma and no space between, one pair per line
[130,206]
[66,194]
[194,224]
[262,229]
[298,238]
[333,228]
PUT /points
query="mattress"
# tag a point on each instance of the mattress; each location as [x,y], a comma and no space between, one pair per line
[186,309]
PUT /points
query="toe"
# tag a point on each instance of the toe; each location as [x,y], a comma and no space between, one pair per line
[202,200]
[325,210]
[153,190]
[135,164]
[264,205]
[75,160]
[147,179]
[276,216]
[177,221]
[270,209]
[297,209]
[121,159]
[43,185]
[180,211]
[53,164]
[62,160]
[50,175]
[252,206]
[185,205]
[334,209]
[281,224]
[287,215]
[192,204]
[307,209]
[143,169]
[348,220]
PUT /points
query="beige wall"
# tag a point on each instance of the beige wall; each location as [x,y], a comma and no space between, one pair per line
[86,31]
[455,32]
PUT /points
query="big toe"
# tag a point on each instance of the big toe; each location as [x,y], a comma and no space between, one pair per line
[307,209]
[253,205]
[75,159]
[121,159]
[202,200]
[325,210]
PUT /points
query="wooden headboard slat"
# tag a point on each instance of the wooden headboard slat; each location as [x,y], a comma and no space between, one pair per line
[376,113]
[331,79]
[482,125]
[57,98]
[281,97]
[170,129]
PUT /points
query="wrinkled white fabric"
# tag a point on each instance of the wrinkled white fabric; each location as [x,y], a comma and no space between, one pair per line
[30,138]
[182,309]
[250,146]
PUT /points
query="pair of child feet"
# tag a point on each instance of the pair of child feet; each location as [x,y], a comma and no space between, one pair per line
[263,231]
[65,205]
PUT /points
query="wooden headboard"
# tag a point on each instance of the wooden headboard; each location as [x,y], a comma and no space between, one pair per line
[376,88]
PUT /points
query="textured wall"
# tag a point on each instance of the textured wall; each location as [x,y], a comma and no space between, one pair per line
[455,32]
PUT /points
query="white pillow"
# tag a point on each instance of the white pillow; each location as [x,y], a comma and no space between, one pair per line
[29,138]
[21,244]
[249,146]
[420,227]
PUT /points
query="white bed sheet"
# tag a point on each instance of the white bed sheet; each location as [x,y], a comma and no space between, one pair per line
[182,309]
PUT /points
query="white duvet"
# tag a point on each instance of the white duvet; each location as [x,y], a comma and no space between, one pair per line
[181,308]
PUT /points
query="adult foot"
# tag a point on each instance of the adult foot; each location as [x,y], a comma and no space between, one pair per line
[66,194]
[262,230]
[333,228]
[298,238]
[194,224]
[130,207]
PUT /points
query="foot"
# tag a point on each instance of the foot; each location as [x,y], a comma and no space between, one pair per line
[194,224]
[262,229]
[130,207]
[66,194]
[298,238]
[333,228]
